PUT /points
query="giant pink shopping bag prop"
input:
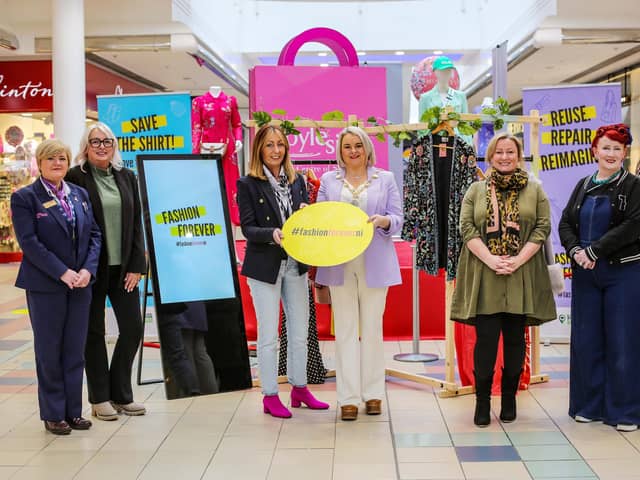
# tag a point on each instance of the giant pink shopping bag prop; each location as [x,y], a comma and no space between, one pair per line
[310,92]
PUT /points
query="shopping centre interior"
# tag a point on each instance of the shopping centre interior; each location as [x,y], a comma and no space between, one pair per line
[500,48]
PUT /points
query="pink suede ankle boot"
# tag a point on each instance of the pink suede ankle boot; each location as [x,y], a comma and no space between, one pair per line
[274,406]
[303,395]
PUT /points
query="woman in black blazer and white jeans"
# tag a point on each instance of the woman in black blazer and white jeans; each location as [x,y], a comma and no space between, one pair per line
[113,191]
[267,196]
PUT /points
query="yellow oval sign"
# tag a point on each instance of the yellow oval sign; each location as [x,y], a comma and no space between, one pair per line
[327,233]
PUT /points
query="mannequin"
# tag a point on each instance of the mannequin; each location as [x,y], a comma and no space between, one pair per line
[442,95]
[216,128]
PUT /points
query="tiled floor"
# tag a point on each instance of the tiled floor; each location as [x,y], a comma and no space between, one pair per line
[226,436]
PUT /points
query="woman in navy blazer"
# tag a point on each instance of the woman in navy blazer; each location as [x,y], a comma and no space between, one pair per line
[60,242]
[359,287]
[267,196]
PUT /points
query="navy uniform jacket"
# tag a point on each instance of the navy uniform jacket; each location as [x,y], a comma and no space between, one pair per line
[259,217]
[46,239]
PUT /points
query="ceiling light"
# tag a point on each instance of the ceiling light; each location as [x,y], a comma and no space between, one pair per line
[438,52]
[322,54]
[360,54]
[27,114]
[399,52]
[324,64]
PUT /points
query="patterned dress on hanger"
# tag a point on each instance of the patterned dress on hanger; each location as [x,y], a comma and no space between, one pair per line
[421,222]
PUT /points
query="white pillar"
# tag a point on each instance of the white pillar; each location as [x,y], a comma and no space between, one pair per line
[69,89]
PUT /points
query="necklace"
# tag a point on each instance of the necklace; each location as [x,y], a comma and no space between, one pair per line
[611,177]
[356,192]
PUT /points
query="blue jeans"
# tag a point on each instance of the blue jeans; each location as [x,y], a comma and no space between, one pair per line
[292,288]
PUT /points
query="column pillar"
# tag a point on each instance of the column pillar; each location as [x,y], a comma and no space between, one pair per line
[69,89]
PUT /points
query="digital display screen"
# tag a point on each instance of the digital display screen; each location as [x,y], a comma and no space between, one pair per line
[186,222]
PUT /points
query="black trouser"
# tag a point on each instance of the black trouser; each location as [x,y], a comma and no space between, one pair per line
[178,368]
[113,382]
[488,329]
[196,349]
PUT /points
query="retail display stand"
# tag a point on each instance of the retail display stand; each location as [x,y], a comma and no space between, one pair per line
[415,355]
[448,387]
[147,294]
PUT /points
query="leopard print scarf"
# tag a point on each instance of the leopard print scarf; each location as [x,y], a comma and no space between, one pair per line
[503,212]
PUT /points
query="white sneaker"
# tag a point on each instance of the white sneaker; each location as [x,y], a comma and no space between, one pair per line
[624,427]
[581,419]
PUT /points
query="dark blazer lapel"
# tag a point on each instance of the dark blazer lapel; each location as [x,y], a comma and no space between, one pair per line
[81,214]
[92,189]
[265,189]
[54,210]
[126,198]
[296,194]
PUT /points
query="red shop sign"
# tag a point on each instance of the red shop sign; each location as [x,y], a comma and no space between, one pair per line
[26,86]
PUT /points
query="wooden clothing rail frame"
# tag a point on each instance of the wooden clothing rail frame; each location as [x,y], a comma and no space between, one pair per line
[448,387]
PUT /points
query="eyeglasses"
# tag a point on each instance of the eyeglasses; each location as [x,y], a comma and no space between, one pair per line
[96,142]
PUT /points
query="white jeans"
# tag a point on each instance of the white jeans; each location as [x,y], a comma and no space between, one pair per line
[359,361]
[294,290]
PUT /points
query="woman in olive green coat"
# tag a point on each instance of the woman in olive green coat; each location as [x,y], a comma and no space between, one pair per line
[502,280]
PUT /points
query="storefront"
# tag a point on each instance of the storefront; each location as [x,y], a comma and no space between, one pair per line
[26,119]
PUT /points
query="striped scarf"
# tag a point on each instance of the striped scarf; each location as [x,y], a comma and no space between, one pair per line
[282,191]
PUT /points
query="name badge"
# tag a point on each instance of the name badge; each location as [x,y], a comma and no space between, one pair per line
[49,204]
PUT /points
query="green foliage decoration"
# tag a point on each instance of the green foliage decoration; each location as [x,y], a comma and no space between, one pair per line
[431,116]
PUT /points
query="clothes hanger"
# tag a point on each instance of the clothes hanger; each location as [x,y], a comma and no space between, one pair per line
[443,125]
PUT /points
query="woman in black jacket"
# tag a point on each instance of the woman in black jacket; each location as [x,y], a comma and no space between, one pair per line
[267,196]
[600,231]
[113,191]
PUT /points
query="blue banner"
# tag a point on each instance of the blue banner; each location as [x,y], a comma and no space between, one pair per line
[148,123]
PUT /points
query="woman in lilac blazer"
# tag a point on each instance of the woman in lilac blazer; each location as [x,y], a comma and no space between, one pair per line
[359,287]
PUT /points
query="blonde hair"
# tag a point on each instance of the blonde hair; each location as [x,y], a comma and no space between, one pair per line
[52,147]
[493,145]
[82,157]
[366,142]
[256,162]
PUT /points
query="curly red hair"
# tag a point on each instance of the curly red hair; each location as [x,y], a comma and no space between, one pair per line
[618,132]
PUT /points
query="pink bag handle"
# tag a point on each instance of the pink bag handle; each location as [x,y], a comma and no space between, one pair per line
[338,43]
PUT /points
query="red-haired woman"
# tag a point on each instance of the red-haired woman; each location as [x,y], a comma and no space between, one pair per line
[600,230]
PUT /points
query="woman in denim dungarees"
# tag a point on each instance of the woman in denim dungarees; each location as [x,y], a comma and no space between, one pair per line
[600,230]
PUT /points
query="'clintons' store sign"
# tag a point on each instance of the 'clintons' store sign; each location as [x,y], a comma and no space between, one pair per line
[26,86]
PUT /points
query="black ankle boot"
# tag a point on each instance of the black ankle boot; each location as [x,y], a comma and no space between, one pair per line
[482,415]
[509,387]
[508,408]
